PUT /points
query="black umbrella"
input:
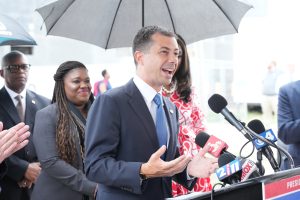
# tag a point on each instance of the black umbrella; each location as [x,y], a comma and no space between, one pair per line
[113,23]
[12,33]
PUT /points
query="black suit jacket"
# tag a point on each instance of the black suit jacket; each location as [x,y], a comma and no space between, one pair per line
[120,136]
[18,162]
[3,169]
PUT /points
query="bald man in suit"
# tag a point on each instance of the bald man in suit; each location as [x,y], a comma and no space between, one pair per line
[22,167]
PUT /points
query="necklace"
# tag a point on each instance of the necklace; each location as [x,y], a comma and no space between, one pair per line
[173,86]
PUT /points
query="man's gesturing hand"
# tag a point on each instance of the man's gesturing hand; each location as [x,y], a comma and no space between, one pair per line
[201,166]
[156,167]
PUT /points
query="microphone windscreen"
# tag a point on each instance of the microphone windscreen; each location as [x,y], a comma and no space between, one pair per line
[256,126]
[217,103]
[201,139]
[225,158]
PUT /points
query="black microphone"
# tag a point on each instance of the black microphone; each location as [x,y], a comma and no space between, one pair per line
[249,168]
[218,103]
[230,170]
[258,127]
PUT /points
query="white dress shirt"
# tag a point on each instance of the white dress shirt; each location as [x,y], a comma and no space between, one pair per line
[13,95]
[149,93]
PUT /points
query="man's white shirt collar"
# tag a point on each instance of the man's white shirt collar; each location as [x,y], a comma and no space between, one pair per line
[146,90]
[13,94]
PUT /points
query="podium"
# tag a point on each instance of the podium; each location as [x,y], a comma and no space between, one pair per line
[283,185]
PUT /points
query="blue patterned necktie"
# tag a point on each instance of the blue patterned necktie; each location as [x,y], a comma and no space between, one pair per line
[161,123]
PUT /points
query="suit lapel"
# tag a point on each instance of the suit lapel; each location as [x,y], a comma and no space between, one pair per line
[31,108]
[172,123]
[8,105]
[137,103]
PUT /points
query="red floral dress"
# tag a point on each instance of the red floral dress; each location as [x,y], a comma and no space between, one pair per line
[191,123]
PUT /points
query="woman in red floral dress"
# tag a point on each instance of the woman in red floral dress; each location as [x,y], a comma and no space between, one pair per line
[191,117]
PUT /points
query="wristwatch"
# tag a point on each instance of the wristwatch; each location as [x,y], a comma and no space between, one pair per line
[143,176]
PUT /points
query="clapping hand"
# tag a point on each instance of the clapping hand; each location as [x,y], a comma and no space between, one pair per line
[13,139]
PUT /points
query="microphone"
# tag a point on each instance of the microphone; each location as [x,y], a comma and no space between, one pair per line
[218,103]
[217,146]
[249,170]
[258,127]
[230,171]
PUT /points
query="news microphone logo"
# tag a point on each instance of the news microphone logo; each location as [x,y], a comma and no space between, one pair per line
[269,135]
[228,169]
[216,146]
[249,169]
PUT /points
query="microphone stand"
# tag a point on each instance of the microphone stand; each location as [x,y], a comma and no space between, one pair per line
[252,133]
[259,164]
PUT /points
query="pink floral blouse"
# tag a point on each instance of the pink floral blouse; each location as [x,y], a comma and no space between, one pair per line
[191,123]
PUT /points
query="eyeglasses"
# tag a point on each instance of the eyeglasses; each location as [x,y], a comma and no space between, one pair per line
[16,68]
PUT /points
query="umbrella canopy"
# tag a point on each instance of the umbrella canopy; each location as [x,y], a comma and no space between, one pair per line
[12,33]
[113,23]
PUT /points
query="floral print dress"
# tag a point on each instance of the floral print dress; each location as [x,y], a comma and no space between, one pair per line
[191,121]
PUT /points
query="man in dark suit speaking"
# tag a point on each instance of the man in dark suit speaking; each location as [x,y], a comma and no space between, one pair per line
[128,151]
[19,105]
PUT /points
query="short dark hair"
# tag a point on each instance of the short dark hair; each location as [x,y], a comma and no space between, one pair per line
[142,40]
[104,72]
[11,57]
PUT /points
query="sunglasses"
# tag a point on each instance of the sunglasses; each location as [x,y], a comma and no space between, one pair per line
[17,68]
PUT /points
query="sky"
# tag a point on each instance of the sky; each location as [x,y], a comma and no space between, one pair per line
[273,35]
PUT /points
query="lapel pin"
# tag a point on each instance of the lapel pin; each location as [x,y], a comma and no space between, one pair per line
[33,101]
[171,111]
